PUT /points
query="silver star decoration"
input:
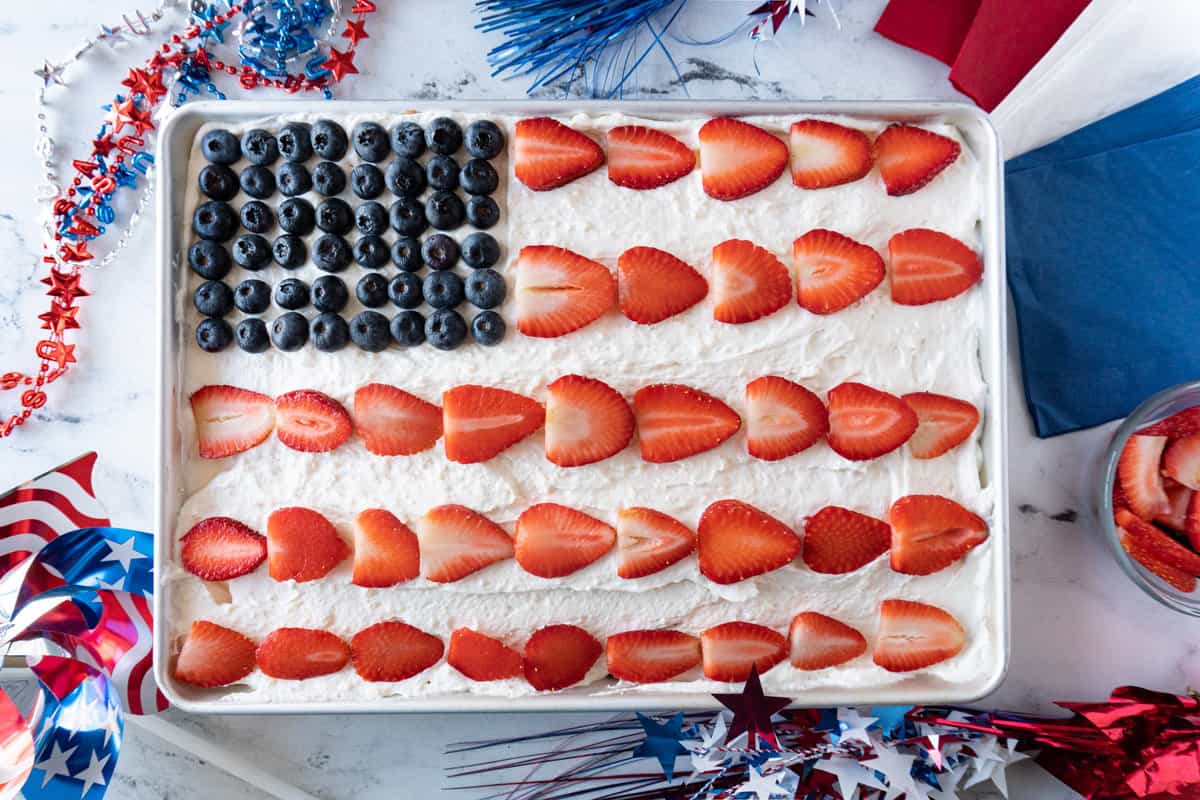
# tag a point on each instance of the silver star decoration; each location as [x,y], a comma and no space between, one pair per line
[93,774]
[122,552]
[705,756]
[948,781]
[111,36]
[50,73]
[897,768]
[856,725]
[56,763]
[850,774]
[768,786]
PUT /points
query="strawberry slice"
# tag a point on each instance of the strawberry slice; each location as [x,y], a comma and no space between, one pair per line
[559,656]
[910,157]
[1191,523]
[1141,480]
[456,541]
[676,421]
[393,651]
[559,291]
[649,541]
[586,421]
[915,635]
[782,418]
[730,650]
[302,545]
[230,420]
[653,285]
[482,658]
[929,533]
[645,158]
[1181,461]
[294,654]
[738,159]
[221,548]
[737,541]
[548,154]
[865,423]
[651,656]
[480,422]
[820,642]
[392,422]
[1176,426]
[749,282]
[311,422]
[838,540]
[386,552]
[552,540]
[943,423]
[214,656]
[833,271]
[827,154]
[928,266]
[1139,549]
[1157,544]
[1180,498]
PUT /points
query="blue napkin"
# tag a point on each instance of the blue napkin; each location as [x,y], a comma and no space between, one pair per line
[1104,262]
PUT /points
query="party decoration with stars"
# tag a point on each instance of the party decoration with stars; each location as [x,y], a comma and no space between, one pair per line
[752,712]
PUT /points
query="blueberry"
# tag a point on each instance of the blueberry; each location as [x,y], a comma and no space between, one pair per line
[209,260]
[404,177]
[328,178]
[332,253]
[257,217]
[405,290]
[484,139]
[480,250]
[252,335]
[443,136]
[485,288]
[215,220]
[334,216]
[372,290]
[366,181]
[406,254]
[371,251]
[371,219]
[260,147]
[488,328]
[479,177]
[289,251]
[440,251]
[442,172]
[408,139]
[292,294]
[445,329]
[442,289]
[213,335]
[289,331]
[296,215]
[218,182]
[408,328]
[213,299]
[444,210]
[482,212]
[252,251]
[220,147]
[329,293]
[407,216]
[293,179]
[252,296]
[258,182]
[329,332]
[370,141]
[329,140]
[295,142]
[369,330]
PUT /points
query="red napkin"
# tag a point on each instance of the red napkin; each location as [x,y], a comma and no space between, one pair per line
[934,27]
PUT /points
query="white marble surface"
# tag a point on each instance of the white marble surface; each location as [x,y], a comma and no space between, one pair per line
[1079,627]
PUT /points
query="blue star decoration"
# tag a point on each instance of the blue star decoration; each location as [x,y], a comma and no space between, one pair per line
[663,742]
[890,718]
[752,712]
[208,13]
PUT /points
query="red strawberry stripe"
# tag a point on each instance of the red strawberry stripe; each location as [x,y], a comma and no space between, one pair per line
[738,159]
[221,548]
[654,285]
[480,422]
[819,642]
[833,271]
[827,154]
[559,656]
[559,291]
[645,158]
[482,658]
[649,541]
[586,421]
[310,421]
[392,422]
[943,423]
[651,656]
[731,649]
[929,533]
[295,654]
[676,421]
[456,542]
[213,655]
[386,552]
[302,545]
[552,540]
[230,420]
[393,651]
[782,418]
[838,540]
[737,541]
[910,157]
[749,282]
[865,423]
[915,636]
[928,266]
[548,154]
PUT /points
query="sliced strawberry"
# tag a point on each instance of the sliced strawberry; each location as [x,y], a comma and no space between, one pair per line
[928,266]
[737,541]
[649,541]
[929,533]
[738,159]
[1180,497]
[386,552]
[548,154]
[1139,549]
[1181,461]
[653,285]
[559,656]
[1176,426]
[749,282]
[1140,477]
[651,656]
[914,636]
[393,651]
[392,422]
[943,423]
[645,158]
[1157,544]
[730,650]
[820,642]
[302,545]
[827,154]
[559,291]
[294,654]
[214,656]
[838,540]
[311,422]
[586,421]
[230,420]
[482,658]
[833,271]
[782,418]
[456,541]
[552,540]
[1191,525]
[910,157]
[865,423]
[221,548]
[480,422]
[676,421]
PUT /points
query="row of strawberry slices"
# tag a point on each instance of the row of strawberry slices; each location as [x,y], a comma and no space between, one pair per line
[734,541]
[559,291]
[586,421]
[911,636]
[736,158]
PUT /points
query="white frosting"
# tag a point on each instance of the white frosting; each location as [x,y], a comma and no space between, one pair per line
[895,348]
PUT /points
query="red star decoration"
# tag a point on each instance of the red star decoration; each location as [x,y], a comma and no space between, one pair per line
[65,286]
[59,318]
[145,82]
[139,120]
[76,251]
[60,352]
[104,145]
[752,712]
[118,115]
[356,30]
[340,64]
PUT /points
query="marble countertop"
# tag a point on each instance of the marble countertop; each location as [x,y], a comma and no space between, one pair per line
[1079,626]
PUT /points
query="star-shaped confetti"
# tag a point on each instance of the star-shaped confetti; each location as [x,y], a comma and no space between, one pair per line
[59,318]
[663,742]
[75,252]
[340,64]
[356,31]
[50,73]
[147,83]
[111,36]
[752,712]
[214,31]
[852,726]
[850,774]
[780,783]
[64,285]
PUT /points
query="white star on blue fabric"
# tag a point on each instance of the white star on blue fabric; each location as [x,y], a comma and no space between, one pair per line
[55,763]
[93,774]
[123,552]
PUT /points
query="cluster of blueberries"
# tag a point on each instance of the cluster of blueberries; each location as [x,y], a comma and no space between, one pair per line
[216,223]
